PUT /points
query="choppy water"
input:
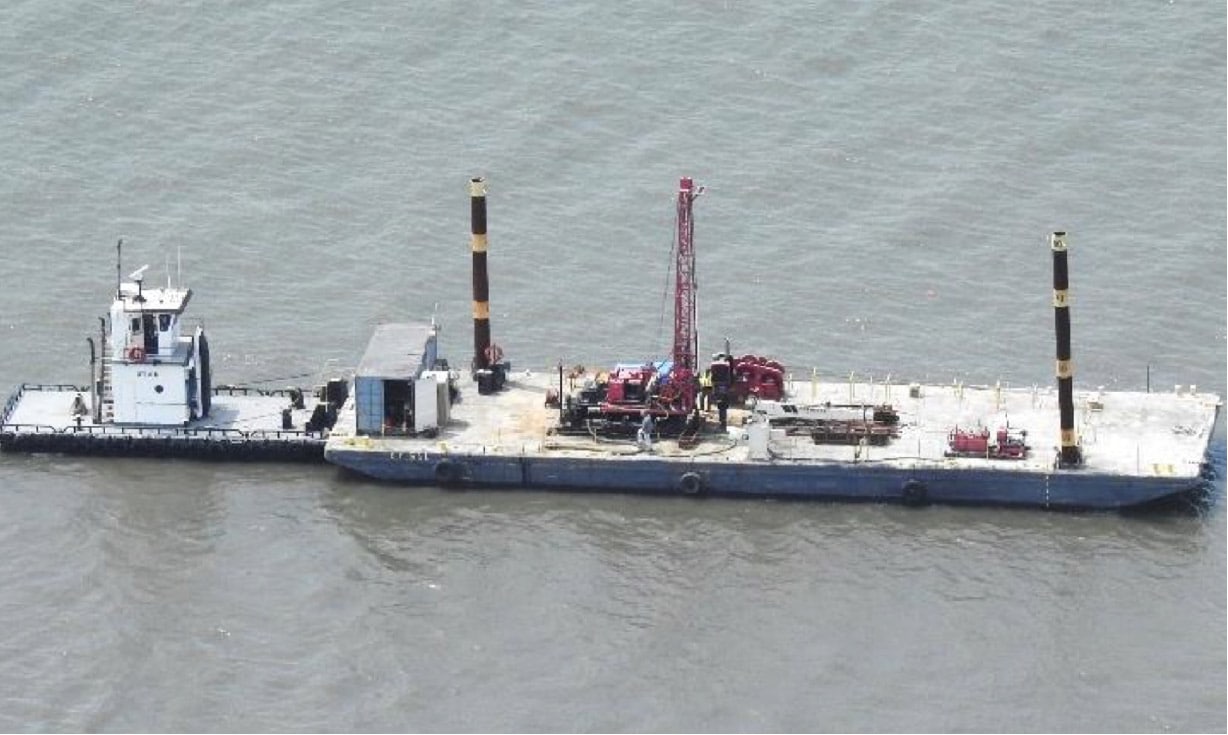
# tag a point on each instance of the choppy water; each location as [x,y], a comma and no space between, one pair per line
[880,180]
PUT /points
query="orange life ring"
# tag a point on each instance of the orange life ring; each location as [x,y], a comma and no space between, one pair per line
[136,354]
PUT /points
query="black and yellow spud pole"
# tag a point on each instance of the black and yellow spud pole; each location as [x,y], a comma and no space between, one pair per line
[1071,454]
[481,284]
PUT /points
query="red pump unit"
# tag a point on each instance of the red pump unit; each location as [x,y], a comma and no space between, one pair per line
[1006,444]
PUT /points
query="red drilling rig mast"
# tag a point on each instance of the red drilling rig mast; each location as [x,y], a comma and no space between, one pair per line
[614,402]
[686,347]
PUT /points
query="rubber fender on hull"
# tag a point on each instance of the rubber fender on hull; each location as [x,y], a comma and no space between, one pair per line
[206,377]
[914,493]
[690,483]
[447,473]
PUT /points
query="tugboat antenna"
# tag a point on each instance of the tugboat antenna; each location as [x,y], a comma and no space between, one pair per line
[119,271]
[138,276]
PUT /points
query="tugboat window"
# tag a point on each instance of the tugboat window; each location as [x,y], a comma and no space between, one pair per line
[136,325]
[157,389]
[164,322]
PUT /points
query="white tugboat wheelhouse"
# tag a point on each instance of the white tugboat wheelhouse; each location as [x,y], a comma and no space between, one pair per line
[152,373]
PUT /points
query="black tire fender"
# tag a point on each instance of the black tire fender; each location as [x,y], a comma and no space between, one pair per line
[691,483]
[914,492]
[447,473]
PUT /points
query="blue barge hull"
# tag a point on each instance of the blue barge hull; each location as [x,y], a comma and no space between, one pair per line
[817,482]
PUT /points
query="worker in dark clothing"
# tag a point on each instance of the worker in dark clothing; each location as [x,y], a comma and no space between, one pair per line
[722,407]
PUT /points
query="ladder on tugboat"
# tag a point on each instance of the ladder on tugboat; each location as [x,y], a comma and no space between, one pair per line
[106,394]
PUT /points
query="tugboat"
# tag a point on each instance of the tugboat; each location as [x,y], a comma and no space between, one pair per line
[150,393]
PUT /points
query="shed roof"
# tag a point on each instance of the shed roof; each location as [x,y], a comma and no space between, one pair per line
[395,351]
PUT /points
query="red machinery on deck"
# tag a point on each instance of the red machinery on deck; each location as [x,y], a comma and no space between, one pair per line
[746,377]
[1006,444]
[667,389]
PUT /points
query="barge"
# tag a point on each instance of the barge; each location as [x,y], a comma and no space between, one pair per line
[151,393]
[1139,448]
[740,427]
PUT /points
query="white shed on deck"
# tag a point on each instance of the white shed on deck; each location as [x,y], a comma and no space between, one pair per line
[393,394]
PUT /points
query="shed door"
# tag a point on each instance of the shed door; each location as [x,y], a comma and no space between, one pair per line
[426,404]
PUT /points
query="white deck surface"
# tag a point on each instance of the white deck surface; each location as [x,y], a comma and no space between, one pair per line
[239,412]
[1140,434]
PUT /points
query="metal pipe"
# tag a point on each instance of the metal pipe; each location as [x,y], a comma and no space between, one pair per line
[1071,454]
[481,283]
[100,386]
[93,384]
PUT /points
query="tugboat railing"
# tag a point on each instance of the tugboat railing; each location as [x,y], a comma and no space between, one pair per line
[31,429]
[11,405]
[205,432]
[197,434]
[54,387]
[243,390]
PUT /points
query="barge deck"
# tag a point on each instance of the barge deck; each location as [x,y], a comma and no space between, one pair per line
[1138,448]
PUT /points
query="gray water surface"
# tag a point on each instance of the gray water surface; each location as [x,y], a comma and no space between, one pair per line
[881,178]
